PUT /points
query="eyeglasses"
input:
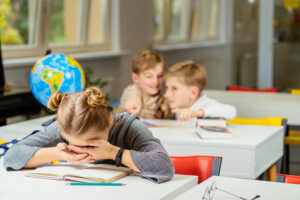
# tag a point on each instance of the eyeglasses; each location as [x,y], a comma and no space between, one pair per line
[210,191]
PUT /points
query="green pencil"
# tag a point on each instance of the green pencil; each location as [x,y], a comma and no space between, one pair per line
[96,184]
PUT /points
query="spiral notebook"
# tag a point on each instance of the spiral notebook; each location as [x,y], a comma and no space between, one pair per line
[93,173]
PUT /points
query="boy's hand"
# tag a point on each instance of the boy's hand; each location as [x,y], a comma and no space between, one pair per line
[186,114]
[98,150]
[133,107]
[71,156]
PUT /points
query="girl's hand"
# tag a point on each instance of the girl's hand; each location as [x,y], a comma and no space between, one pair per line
[71,156]
[186,114]
[98,150]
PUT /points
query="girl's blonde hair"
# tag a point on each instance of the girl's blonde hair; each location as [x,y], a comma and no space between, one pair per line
[80,111]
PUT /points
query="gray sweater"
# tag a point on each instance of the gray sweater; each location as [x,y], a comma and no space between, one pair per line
[127,131]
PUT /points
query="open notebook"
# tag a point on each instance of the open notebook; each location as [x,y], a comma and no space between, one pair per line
[94,173]
[213,129]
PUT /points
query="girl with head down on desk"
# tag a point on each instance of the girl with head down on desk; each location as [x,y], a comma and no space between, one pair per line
[87,131]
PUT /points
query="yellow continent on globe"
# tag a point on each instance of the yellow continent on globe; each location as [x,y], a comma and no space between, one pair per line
[53,78]
[74,63]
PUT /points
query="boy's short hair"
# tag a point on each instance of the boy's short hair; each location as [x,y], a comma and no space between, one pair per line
[145,60]
[188,73]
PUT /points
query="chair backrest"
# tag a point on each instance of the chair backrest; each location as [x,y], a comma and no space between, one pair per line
[267,121]
[245,89]
[201,166]
[295,91]
[284,178]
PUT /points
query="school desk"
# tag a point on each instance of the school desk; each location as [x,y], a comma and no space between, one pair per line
[251,151]
[14,185]
[22,129]
[244,188]
[259,105]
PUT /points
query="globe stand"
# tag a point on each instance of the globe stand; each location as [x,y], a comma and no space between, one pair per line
[48,51]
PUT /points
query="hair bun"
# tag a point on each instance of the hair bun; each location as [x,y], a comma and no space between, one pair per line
[55,100]
[94,97]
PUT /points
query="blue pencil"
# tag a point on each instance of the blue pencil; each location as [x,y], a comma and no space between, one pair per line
[96,184]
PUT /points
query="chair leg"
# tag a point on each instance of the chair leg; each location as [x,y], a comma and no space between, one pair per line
[271,173]
[287,159]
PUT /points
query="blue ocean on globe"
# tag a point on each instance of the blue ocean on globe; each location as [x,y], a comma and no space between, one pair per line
[55,72]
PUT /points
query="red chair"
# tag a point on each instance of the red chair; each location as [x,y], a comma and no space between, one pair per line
[283,178]
[245,89]
[201,166]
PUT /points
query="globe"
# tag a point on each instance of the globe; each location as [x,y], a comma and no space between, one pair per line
[55,72]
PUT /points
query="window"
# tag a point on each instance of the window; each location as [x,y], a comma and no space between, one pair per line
[179,18]
[177,21]
[158,23]
[15,22]
[29,27]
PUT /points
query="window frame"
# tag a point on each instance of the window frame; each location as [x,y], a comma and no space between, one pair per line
[41,34]
[164,43]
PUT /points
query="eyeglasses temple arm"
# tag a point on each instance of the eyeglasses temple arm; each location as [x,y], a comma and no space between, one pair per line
[232,194]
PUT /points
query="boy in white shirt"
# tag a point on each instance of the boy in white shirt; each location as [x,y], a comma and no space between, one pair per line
[185,82]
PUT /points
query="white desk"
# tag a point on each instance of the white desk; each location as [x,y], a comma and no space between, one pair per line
[252,150]
[244,188]
[14,185]
[22,129]
[255,104]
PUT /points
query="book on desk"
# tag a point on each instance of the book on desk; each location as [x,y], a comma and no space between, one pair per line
[213,129]
[207,128]
[92,173]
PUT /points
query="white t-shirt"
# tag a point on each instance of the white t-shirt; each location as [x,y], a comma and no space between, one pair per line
[213,108]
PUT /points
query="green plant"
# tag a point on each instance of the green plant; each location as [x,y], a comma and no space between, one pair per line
[99,82]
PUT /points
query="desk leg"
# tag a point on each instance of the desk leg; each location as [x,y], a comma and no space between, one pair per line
[2,121]
[287,159]
[271,173]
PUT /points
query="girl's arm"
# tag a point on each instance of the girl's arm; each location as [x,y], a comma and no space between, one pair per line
[127,161]
[42,156]
[102,149]
[39,148]
[143,153]
[147,153]
[60,152]
[19,154]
